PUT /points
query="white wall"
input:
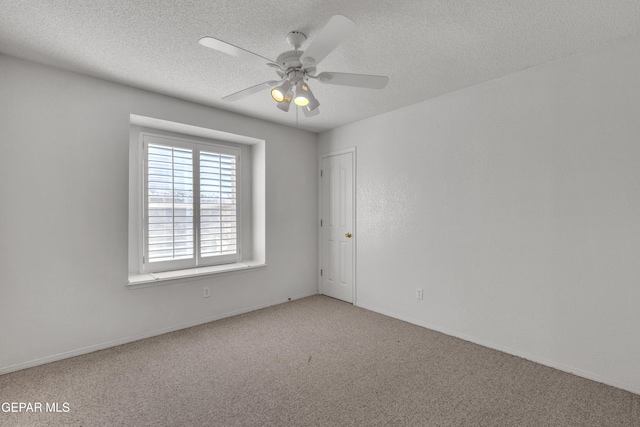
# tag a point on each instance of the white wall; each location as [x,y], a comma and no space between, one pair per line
[515,204]
[64,153]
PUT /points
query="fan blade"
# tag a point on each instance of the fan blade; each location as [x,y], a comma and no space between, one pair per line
[337,29]
[251,90]
[357,80]
[232,50]
[312,113]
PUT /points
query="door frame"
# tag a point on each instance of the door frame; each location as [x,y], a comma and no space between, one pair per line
[354,185]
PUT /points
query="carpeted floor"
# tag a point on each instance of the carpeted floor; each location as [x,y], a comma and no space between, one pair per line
[310,362]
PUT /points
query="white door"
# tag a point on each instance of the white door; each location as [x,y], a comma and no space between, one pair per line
[337,235]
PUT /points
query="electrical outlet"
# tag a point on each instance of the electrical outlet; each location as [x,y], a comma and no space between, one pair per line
[206,292]
[419,293]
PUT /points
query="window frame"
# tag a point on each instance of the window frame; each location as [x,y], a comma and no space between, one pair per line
[196,148]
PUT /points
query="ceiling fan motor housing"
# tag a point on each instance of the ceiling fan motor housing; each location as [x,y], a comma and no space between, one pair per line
[290,59]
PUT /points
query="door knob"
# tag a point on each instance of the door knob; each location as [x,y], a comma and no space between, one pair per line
[348,235]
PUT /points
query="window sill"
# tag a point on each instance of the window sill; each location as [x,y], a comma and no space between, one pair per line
[152,279]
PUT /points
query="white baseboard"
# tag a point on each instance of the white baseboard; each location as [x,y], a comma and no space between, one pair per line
[114,343]
[542,361]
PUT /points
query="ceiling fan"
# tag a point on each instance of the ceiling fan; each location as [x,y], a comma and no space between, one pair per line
[296,67]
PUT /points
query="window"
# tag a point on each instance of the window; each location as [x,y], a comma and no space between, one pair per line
[190,204]
[194,217]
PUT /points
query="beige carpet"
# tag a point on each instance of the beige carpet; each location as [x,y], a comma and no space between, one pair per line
[311,362]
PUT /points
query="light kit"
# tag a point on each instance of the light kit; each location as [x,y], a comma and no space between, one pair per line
[301,98]
[304,97]
[286,101]
[279,92]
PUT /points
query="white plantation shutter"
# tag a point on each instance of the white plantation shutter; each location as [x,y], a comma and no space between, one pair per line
[190,204]
[170,203]
[218,225]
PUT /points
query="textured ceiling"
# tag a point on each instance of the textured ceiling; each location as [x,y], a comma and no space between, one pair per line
[427,48]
